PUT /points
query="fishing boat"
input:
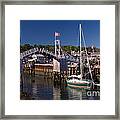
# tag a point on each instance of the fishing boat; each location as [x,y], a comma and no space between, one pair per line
[77,81]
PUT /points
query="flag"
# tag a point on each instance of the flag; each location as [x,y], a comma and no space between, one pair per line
[57,34]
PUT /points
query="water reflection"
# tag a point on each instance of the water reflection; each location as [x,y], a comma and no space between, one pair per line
[39,87]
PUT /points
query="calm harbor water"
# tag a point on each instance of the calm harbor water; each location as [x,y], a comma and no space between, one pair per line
[40,87]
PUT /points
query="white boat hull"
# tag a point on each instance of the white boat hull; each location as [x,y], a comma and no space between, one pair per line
[79,84]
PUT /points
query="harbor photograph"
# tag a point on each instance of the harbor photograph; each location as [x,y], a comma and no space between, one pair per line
[59,59]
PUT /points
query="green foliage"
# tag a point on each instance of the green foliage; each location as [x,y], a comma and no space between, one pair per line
[25,47]
[50,48]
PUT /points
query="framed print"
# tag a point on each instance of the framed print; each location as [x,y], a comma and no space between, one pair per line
[60,59]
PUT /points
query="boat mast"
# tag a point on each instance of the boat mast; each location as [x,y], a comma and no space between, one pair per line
[80,32]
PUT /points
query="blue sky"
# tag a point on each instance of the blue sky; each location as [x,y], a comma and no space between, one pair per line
[42,32]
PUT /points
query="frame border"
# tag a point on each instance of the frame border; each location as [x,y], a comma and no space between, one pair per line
[61,2]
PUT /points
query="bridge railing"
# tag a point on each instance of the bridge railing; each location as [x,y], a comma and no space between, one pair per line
[28,52]
[34,50]
[42,50]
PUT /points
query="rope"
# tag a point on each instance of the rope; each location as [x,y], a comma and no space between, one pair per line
[87,55]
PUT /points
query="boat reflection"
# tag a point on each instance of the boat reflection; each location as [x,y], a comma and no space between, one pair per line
[38,87]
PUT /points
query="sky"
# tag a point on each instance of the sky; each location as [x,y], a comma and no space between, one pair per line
[42,32]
